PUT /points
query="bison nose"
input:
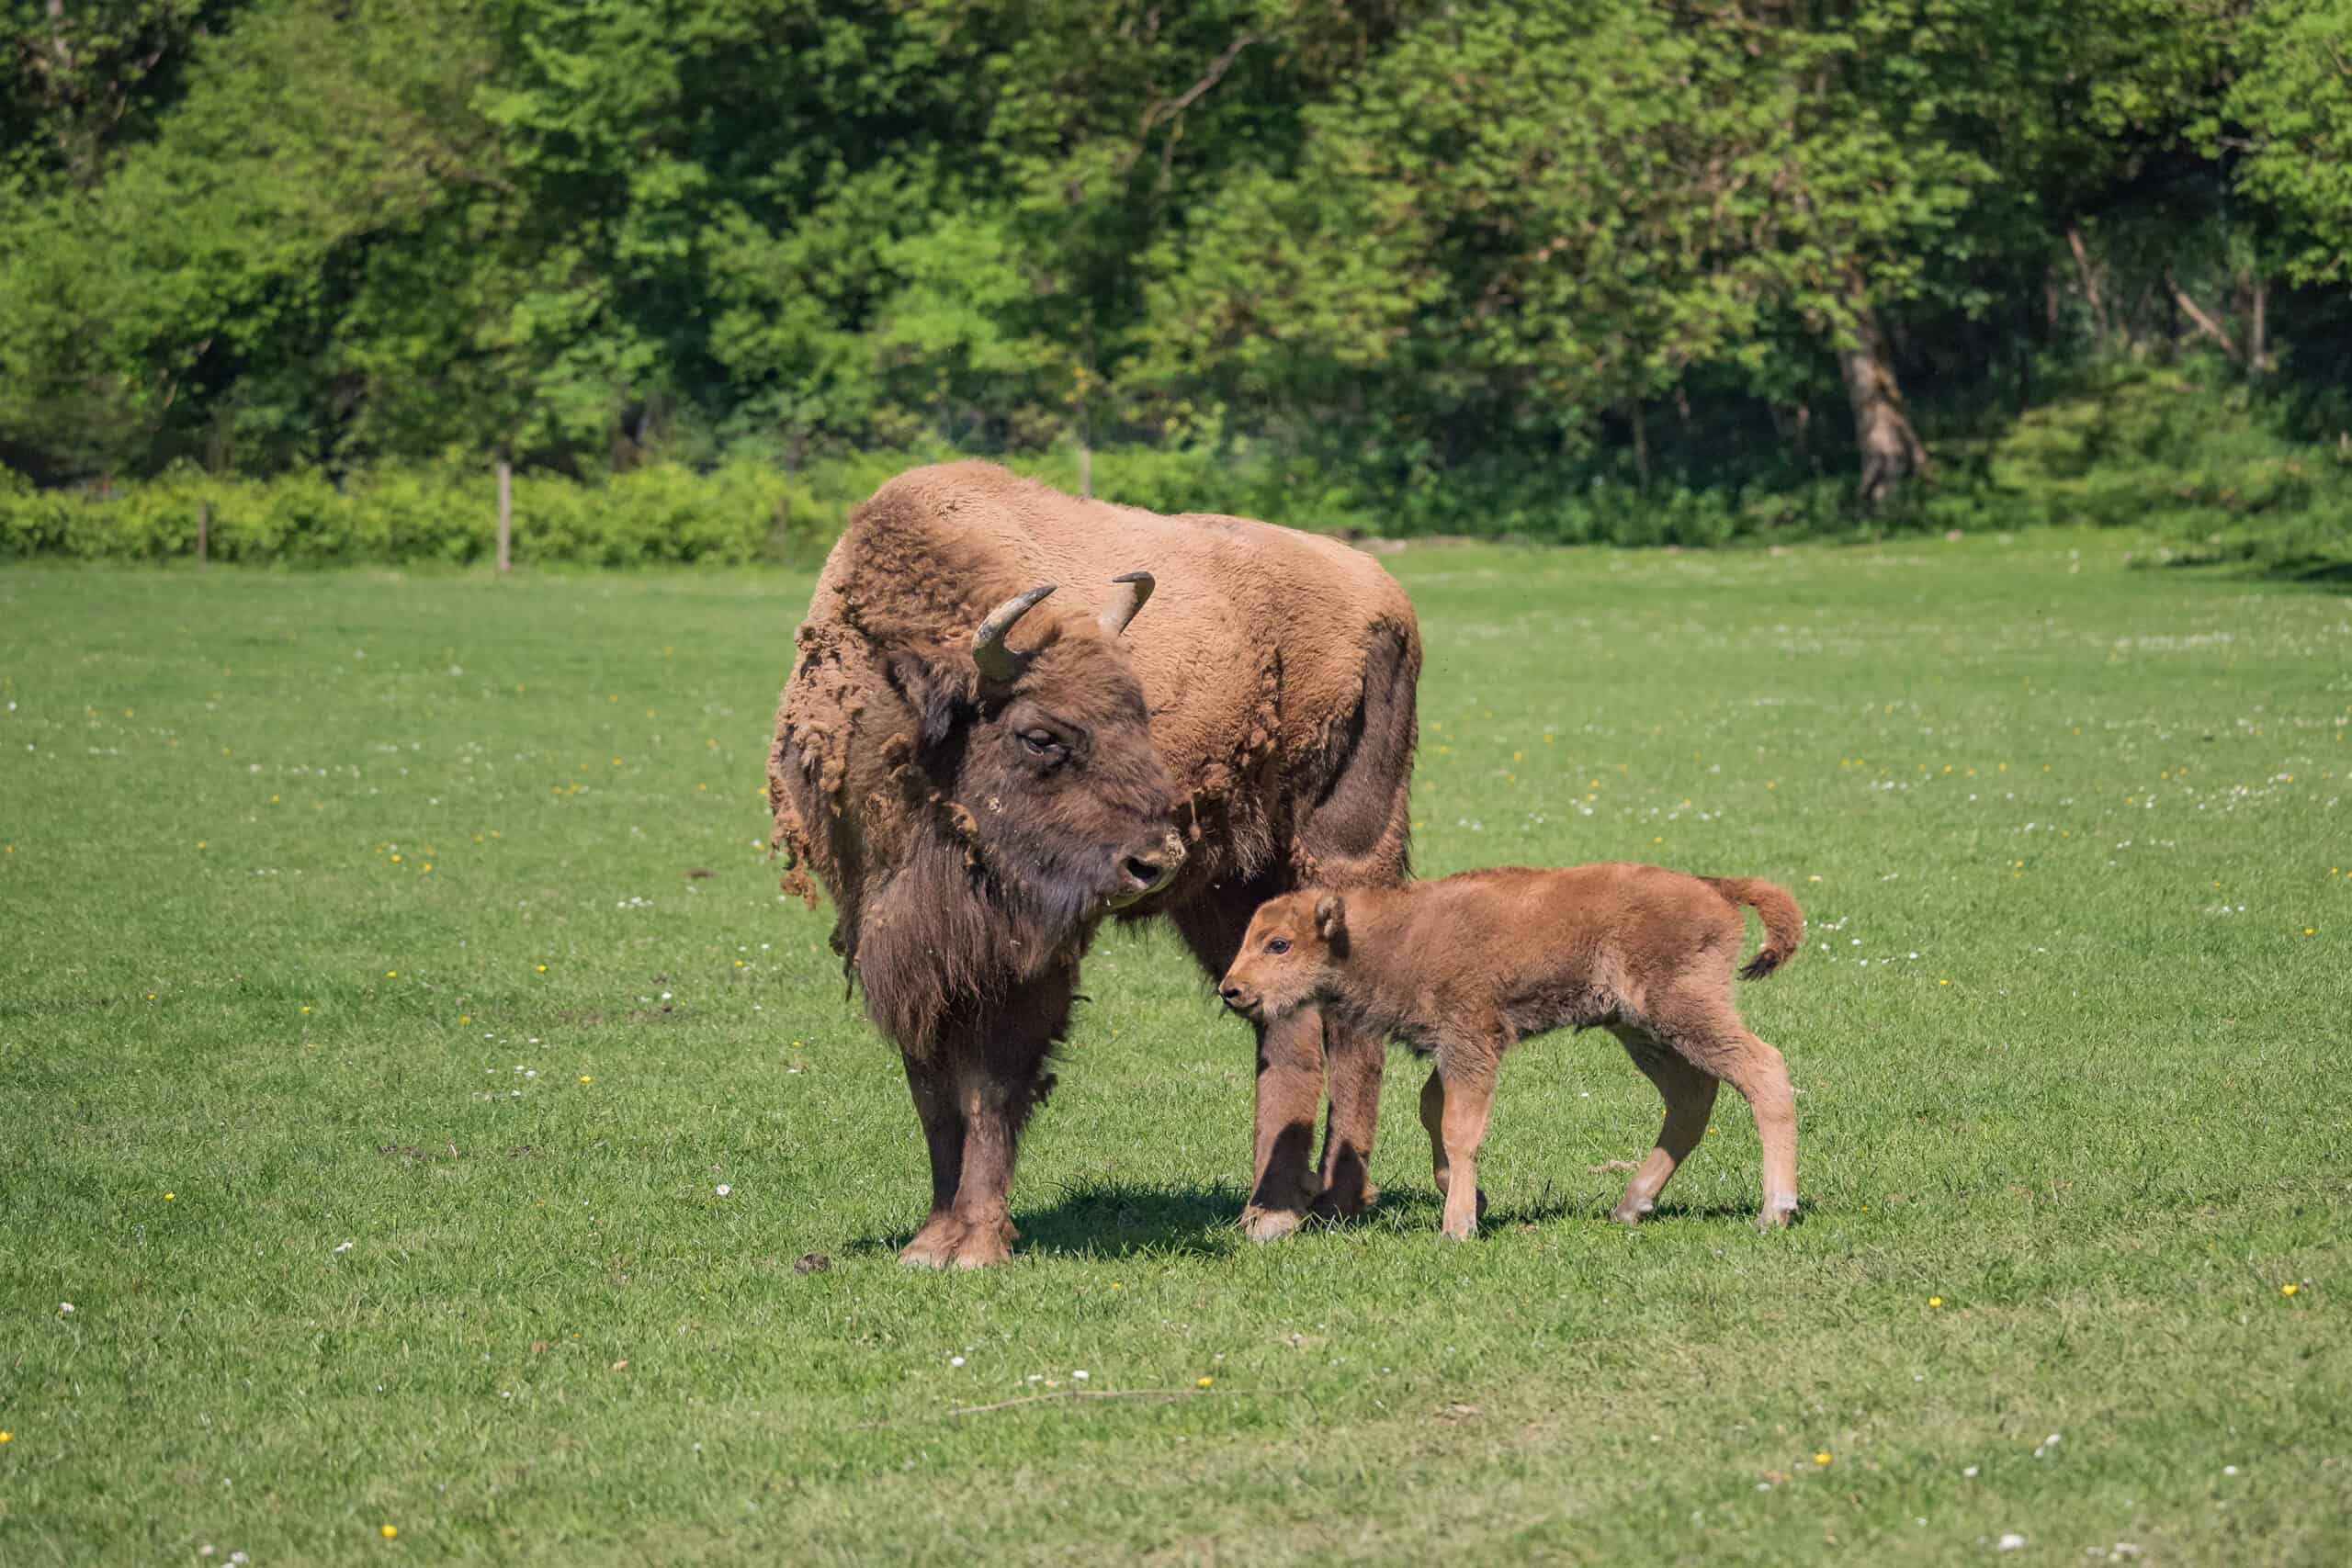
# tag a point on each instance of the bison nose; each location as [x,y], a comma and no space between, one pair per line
[1153,868]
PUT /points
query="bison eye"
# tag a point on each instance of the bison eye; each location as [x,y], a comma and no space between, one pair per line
[1280,944]
[1041,743]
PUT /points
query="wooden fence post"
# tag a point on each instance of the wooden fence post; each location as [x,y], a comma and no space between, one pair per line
[505,515]
[203,531]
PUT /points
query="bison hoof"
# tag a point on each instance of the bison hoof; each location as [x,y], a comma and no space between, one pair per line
[1268,1225]
[934,1246]
[985,1248]
[1632,1210]
[1775,1216]
[1333,1204]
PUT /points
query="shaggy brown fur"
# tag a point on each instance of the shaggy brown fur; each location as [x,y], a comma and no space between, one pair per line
[1465,967]
[973,829]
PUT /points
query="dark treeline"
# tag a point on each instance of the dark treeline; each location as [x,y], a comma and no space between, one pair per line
[1412,249]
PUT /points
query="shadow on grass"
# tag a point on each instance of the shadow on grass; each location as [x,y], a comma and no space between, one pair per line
[1115,1219]
[2323,573]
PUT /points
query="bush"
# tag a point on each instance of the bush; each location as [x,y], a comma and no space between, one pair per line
[2199,463]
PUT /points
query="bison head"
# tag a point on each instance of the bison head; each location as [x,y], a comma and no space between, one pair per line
[1049,753]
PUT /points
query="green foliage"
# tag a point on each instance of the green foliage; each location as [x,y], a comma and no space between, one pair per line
[2294,92]
[1449,267]
[659,514]
[2204,464]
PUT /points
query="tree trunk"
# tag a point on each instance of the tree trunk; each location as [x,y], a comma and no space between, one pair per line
[203,531]
[2089,275]
[2254,345]
[2204,323]
[1641,442]
[505,515]
[1891,449]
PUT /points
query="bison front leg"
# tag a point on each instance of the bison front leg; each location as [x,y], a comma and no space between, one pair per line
[935,1243]
[975,1095]
[1290,1087]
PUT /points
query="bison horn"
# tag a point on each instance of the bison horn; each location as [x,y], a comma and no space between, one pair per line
[999,663]
[1136,587]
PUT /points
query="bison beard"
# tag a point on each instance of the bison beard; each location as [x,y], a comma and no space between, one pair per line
[977,808]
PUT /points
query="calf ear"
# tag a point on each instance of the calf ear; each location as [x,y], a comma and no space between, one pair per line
[1331,920]
[937,694]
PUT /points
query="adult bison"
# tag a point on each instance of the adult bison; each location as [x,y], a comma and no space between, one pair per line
[980,768]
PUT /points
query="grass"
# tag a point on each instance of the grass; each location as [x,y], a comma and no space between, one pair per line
[357,908]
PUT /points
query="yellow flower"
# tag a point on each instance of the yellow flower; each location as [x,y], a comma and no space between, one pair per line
[543,968]
[465,1018]
[396,860]
[7,1437]
[1943,982]
[587,1078]
[199,844]
[169,1196]
[306,1008]
[392,974]
[2308,930]
[1934,1301]
[1822,1457]
[391,1530]
[1197,1382]
[2288,1289]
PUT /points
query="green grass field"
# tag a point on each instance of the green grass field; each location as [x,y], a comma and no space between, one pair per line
[420,1146]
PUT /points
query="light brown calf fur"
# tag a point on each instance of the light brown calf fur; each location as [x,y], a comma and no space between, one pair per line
[1465,967]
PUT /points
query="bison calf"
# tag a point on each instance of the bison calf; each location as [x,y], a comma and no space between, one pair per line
[1464,967]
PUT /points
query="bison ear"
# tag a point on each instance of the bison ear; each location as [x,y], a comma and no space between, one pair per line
[937,694]
[1331,920]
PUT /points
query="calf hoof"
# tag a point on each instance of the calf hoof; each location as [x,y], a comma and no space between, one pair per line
[1460,1230]
[1268,1225]
[1776,1216]
[1632,1211]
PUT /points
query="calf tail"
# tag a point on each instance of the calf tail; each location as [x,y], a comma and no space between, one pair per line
[1783,921]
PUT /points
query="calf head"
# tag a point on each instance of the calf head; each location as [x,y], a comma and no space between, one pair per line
[1294,953]
[1048,752]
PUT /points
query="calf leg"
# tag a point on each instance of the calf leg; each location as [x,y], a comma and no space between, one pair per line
[943,1133]
[1433,1122]
[1469,1090]
[1705,1029]
[1689,1096]
[1290,1084]
[1353,1065]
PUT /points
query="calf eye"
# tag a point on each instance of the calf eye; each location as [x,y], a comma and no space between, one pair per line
[1280,944]
[1041,742]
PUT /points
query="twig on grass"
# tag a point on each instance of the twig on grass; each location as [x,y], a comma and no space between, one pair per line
[1069,1393]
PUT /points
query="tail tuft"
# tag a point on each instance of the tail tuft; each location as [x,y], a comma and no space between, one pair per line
[1783,921]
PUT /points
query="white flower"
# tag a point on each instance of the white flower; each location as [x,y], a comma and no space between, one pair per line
[1081,1376]
[2226,1470]
[345,1247]
[955,1360]
[64,1309]
[723,1189]
[2011,1541]
[1970,1470]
